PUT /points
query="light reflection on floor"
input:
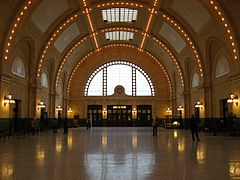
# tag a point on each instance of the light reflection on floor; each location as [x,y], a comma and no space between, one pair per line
[120,153]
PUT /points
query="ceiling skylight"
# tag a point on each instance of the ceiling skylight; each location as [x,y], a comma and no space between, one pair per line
[119,35]
[119,15]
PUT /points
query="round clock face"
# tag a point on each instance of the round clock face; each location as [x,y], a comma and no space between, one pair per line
[119,90]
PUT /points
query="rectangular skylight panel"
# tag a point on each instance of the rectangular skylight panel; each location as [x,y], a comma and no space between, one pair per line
[107,36]
[126,35]
[135,12]
[104,14]
[119,15]
[131,36]
[114,36]
[108,14]
[122,14]
[119,35]
[126,15]
[110,36]
[130,15]
[113,15]
[123,37]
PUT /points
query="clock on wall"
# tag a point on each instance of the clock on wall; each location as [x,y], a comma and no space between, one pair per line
[119,90]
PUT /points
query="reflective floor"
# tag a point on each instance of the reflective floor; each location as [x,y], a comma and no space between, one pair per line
[120,153]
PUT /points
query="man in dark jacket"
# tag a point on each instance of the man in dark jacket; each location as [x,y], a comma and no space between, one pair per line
[194,128]
[65,126]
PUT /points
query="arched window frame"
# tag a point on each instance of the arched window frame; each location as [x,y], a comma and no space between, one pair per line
[195,80]
[18,61]
[59,87]
[120,62]
[224,61]
[44,80]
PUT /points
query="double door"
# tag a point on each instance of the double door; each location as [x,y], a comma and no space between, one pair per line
[95,113]
[144,112]
[118,113]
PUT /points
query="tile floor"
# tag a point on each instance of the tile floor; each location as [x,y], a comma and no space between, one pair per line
[121,154]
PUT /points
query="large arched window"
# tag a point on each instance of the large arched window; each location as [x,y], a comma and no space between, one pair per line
[18,67]
[104,79]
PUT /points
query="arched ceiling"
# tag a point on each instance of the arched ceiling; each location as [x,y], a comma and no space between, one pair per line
[169,30]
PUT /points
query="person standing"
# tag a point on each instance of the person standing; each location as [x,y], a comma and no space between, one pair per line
[34,124]
[88,124]
[54,125]
[194,128]
[154,125]
[65,126]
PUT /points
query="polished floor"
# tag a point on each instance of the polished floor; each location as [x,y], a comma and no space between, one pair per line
[121,154]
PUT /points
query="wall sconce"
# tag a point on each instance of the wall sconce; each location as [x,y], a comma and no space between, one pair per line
[233,99]
[58,108]
[104,113]
[199,105]
[41,105]
[69,110]
[8,100]
[134,111]
[180,108]
[169,110]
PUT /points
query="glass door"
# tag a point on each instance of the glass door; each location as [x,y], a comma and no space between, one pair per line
[95,113]
[144,112]
[119,113]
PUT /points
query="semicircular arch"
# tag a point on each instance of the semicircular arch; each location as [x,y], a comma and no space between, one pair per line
[132,85]
[152,67]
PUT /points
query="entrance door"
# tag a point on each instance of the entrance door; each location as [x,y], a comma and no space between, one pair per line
[224,108]
[144,112]
[17,115]
[197,112]
[43,124]
[95,112]
[224,113]
[43,114]
[119,113]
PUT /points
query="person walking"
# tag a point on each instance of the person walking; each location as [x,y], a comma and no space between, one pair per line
[194,128]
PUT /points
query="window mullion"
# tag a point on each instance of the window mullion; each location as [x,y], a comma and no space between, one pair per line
[105,81]
[133,81]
